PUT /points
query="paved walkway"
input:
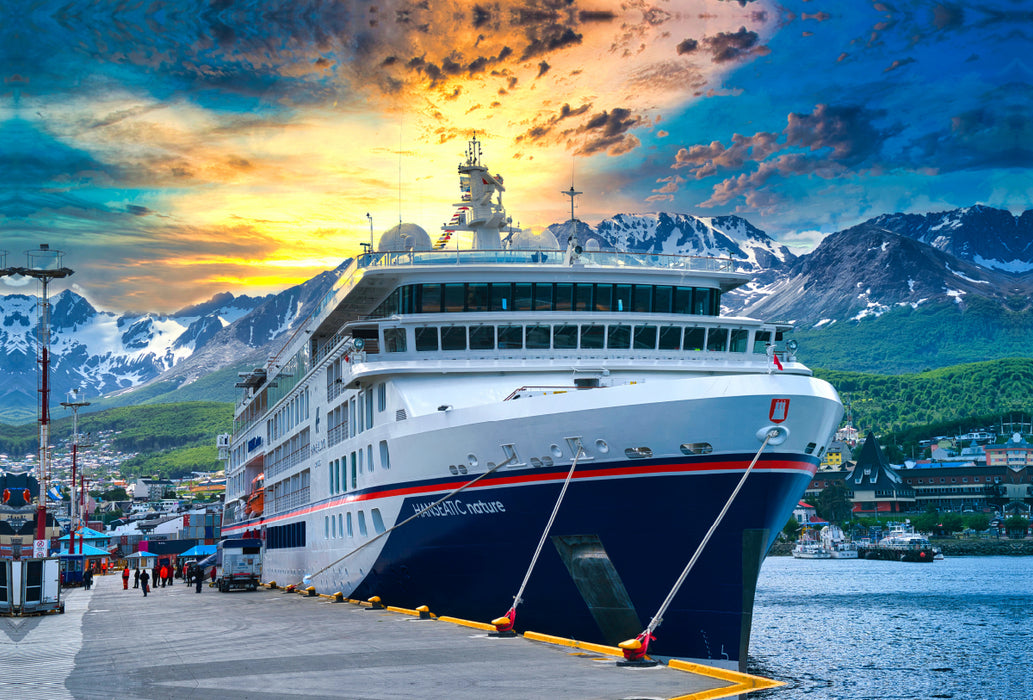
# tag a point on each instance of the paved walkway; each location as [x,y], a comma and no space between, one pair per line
[262,645]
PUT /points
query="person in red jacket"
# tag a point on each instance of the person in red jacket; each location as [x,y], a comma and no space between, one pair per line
[163,574]
[125,579]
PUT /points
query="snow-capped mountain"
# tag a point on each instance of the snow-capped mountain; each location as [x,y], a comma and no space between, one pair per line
[989,237]
[100,351]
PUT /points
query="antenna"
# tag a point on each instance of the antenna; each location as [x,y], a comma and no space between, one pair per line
[572,193]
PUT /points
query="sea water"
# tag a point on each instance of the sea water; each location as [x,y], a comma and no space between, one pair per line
[835,629]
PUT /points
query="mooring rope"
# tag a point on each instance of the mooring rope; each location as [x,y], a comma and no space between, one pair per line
[411,517]
[548,527]
[658,618]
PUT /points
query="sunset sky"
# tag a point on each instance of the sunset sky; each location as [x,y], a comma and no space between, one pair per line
[173,150]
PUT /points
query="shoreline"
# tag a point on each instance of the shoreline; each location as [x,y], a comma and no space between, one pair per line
[950,548]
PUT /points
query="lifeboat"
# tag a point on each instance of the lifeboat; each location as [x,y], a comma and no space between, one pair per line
[256,499]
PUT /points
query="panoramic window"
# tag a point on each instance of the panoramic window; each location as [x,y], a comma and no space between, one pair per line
[453,338]
[537,337]
[564,297]
[618,337]
[645,338]
[670,337]
[430,298]
[511,337]
[426,338]
[739,339]
[694,338]
[717,340]
[592,337]
[542,297]
[564,337]
[482,338]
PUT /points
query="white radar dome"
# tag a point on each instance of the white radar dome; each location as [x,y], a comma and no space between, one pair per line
[404,237]
[529,240]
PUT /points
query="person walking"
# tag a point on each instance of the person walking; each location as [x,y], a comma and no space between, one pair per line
[125,579]
[198,578]
[164,574]
[136,577]
[144,579]
[87,578]
[154,575]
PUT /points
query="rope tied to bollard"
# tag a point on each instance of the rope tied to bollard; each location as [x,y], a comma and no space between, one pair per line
[504,624]
[635,649]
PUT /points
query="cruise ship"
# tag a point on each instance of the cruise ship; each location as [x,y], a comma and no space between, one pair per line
[414,435]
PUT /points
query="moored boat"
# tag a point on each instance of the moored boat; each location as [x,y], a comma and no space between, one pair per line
[414,435]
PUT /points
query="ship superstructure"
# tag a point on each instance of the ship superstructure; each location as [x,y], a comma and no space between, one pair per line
[424,369]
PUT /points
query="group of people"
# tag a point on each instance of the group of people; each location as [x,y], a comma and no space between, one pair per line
[162,575]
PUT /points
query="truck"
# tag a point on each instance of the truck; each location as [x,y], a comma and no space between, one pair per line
[238,564]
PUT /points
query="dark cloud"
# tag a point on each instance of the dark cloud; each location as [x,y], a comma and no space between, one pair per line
[607,131]
[827,142]
[687,46]
[728,46]
[137,210]
[948,16]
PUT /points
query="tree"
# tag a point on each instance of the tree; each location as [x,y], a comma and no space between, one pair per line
[791,529]
[833,503]
[951,523]
[979,521]
[1016,526]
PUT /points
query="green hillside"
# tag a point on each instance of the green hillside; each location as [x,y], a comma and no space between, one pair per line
[912,340]
[172,439]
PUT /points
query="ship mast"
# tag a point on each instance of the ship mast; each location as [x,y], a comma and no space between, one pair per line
[477,211]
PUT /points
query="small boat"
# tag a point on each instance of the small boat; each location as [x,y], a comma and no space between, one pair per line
[811,550]
[837,544]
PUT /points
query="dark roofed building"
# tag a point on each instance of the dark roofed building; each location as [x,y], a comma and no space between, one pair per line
[874,485]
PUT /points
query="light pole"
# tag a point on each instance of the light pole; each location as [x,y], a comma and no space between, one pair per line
[44,265]
[75,406]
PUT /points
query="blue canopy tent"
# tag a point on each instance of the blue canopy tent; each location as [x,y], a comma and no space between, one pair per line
[200,551]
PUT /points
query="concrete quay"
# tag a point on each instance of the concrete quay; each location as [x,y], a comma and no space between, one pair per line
[268,644]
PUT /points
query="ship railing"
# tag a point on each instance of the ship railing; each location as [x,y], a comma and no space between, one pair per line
[558,258]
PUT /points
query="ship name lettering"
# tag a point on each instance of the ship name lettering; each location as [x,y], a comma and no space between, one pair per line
[457,506]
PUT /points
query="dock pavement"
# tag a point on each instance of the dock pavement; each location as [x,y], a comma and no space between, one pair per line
[267,644]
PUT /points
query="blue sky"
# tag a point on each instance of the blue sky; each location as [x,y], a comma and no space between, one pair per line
[174,150]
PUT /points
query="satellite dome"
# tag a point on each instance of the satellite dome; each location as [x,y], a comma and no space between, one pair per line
[404,237]
[528,240]
[592,244]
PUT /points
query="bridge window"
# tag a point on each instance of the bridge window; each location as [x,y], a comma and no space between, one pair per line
[717,340]
[477,296]
[760,341]
[430,298]
[683,300]
[511,337]
[564,297]
[426,338]
[694,338]
[453,338]
[482,337]
[564,337]
[663,300]
[522,296]
[622,297]
[642,298]
[604,297]
[592,337]
[740,337]
[542,297]
[701,301]
[670,337]
[583,297]
[454,298]
[538,337]
[618,337]
[501,294]
[645,338]
[394,339]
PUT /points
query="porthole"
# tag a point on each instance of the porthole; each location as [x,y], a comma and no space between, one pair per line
[535,462]
[471,460]
[696,448]
[638,453]
[810,448]
[461,468]
[556,451]
[602,446]
[547,461]
[452,468]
